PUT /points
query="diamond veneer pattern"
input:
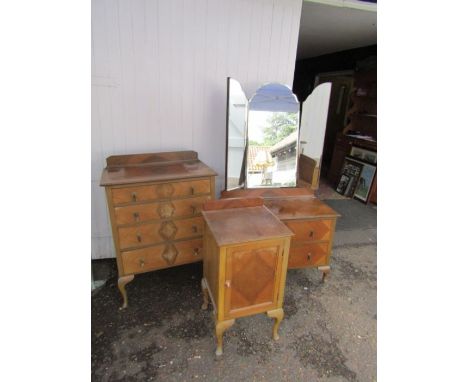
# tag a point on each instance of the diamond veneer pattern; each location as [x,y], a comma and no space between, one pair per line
[255,269]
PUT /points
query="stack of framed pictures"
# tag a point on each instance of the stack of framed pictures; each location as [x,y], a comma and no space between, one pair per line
[357,174]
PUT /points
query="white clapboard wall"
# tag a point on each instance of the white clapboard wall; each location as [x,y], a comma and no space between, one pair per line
[159,71]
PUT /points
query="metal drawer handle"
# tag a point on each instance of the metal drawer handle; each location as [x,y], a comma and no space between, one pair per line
[194,209]
[192,190]
[196,252]
[142,263]
[136,216]
[228,283]
[311,234]
[308,256]
[139,237]
[134,196]
[194,229]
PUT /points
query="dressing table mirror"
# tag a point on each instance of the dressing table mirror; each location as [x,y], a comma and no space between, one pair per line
[262,137]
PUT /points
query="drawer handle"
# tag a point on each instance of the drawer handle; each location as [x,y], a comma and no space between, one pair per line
[139,237]
[228,283]
[311,234]
[194,209]
[142,263]
[196,251]
[136,216]
[192,190]
[134,196]
[194,229]
[308,256]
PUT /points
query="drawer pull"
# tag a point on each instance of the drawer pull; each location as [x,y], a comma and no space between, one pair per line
[196,251]
[192,190]
[228,283]
[142,263]
[308,256]
[194,229]
[136,216]
[194,209]
[134,196]
[139,237]
[311,234]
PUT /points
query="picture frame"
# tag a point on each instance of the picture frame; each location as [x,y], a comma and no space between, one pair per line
[365,155]
[364,183]
[349,176]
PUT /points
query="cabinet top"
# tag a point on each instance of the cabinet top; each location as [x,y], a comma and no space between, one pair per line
[240,225]
[300,207]
[140,168]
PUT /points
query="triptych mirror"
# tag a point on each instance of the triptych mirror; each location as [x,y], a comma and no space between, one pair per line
[263,139]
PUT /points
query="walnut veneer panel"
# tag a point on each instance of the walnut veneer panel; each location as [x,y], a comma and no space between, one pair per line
[152,233]
[304,254]
[310,230]
[161,210]
[162,256]
[160,191]
[154,203]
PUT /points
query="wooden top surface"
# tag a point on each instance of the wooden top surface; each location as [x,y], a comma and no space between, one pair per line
[267,192]
[240,225]
[287,203]
[141,168]
[299,207]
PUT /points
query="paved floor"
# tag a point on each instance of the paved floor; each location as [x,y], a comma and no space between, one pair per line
[328,334]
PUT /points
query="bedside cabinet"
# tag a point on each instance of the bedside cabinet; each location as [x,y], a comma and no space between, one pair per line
[154,203]
[245,260]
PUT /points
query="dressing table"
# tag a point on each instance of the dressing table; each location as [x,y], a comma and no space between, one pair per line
[268,156]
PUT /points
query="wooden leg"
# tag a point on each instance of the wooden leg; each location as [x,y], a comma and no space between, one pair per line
[278,315]
[221,327]
[325,272]
[205,295]
[123,281]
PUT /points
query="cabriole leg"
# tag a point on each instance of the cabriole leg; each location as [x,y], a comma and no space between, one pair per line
[278,315]
[123,281]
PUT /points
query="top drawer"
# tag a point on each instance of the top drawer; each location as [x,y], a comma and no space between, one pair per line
[160,191]
[314,230]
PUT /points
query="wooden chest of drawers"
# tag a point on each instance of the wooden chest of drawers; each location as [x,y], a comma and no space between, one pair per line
[311,220]
[154,203]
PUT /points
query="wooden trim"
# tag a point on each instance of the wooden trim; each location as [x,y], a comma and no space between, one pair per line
[115,236]
[223,204]
[150,158]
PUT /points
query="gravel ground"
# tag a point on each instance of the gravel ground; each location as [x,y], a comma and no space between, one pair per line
[329,332]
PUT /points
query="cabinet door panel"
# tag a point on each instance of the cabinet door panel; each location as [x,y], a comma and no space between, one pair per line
[252,278]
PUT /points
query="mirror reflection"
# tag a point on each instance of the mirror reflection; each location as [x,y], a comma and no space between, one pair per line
[273,124]
[236,135]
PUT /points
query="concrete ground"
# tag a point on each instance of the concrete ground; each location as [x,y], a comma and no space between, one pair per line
[329,332]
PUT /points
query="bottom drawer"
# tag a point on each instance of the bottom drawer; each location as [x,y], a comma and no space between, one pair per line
[162,256]
[303,255]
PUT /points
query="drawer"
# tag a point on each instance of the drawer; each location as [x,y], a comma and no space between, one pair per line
[159,210]
[162,256]
[310,230]
[160,191]
[308,255]
[152,233]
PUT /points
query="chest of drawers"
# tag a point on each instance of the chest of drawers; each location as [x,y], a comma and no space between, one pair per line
[154,203]
[310,219]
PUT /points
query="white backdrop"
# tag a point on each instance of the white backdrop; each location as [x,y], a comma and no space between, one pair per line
[159,71]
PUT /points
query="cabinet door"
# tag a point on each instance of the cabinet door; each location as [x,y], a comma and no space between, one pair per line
[252,278]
